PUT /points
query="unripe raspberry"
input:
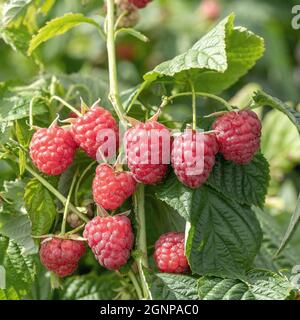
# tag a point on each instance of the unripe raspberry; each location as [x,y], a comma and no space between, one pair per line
[210,9]
[148,151]
[61,256]
[52,150]
[111,188]
[131,18]
[111,239]
[74,221]
[169,253]
[193,157]
[94,129]
[238,134]
[140,3]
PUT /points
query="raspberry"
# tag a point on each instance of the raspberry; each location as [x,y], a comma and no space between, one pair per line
[52,150]
[193,168]
[238,134]
[169,253]
[110,188]
[140,3]
[74,221]
[148,151]
[131,17]
[210,9]
[111,239]
[95,128]
[61,256]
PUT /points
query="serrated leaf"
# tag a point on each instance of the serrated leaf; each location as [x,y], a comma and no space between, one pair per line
[22,161]
[17,38]
[103,287]
[58,26]
[216,61]
[23,133]
[19,268]
[224,236]
[5,129]
[262,99]
[247,184]
[40,207]
[47,6]
[258,285]
[166,286]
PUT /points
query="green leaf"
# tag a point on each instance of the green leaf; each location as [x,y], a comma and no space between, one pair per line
[15,11]
[17,38]
[18,229]
[165,286]
[22,161]
[5,129]
[294,222]
[47,6]
[40,207]
[272,233]
[216,61]
[246,184]
[57,27]
[224,236]
[262,99]
[102,287]
[20,270]
[23,133]
[258,285]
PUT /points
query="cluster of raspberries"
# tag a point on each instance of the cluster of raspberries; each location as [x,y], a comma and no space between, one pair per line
[235,134]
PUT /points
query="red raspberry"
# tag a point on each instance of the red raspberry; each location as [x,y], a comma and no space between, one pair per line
[111,239]
[110,188]
[52,150]
[148,151]
[61,256]
[238,134]
[140,3]
[95,128]
[193,168]
[169,253]
[210,9]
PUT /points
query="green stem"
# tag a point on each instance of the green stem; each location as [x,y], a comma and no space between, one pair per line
[111,51]
[194,106]
[66,210]
[57,194]
[136,285]
[66,104]
[142,260]
[76,229]
[203,94]
[80,179]
[139,91]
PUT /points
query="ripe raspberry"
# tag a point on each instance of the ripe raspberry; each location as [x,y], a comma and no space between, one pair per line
[210,9]
[111,239]
[110,188]
[61,256]
[52,150]
[169,253]
[238,134]
[95,128]
[191,166]
[140,3]
[131,18]
[148,151]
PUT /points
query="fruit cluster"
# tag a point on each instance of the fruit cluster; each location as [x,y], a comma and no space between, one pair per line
[148,147]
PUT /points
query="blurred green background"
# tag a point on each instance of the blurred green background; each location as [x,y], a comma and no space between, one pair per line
[172,27]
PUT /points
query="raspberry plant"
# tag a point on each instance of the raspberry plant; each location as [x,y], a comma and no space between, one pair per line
[157,231]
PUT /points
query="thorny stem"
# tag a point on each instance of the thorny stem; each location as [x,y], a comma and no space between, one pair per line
[57,194]
[116,102]
[111,51]
[66,210]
